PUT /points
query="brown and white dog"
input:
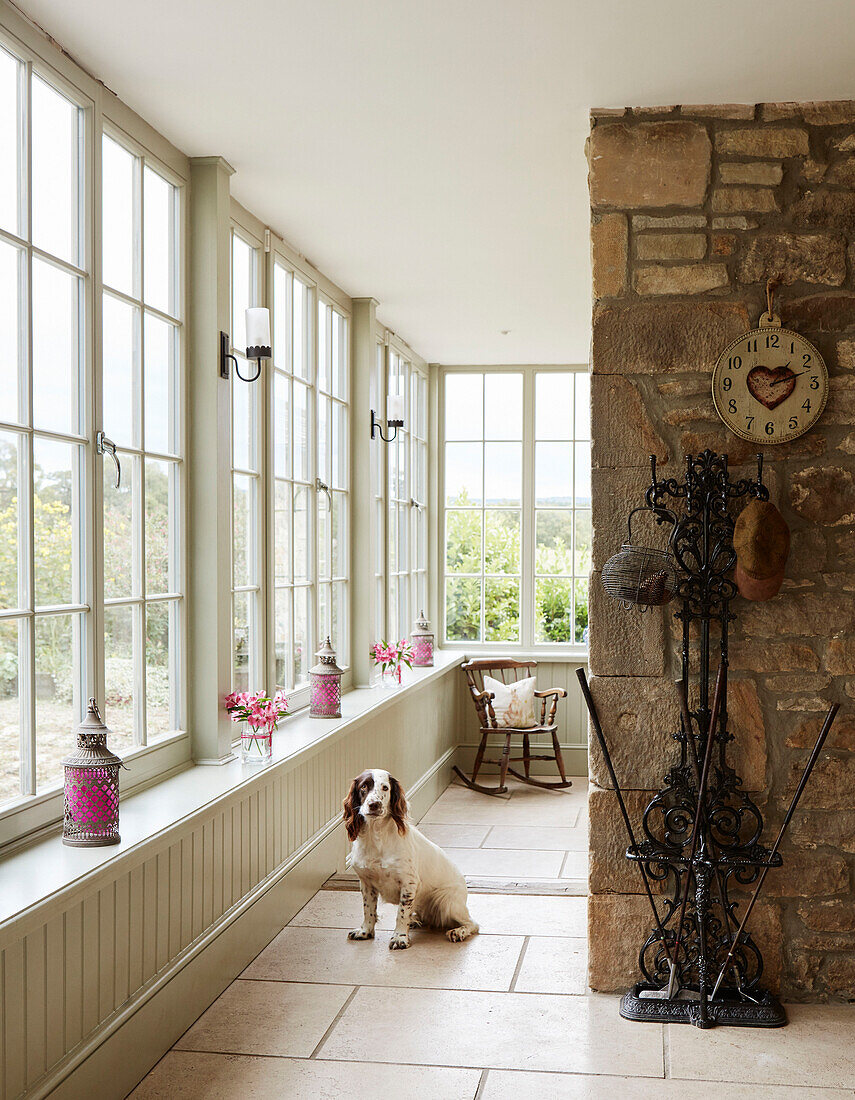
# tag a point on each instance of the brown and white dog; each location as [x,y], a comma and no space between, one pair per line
[396,862]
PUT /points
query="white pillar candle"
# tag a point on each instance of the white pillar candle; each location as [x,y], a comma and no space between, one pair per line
[257,329]
[394,408]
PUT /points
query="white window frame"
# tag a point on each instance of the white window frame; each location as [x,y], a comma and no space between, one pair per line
[33,813]
[526,644]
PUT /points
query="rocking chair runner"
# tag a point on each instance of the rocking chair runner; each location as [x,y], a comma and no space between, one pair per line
[509,672]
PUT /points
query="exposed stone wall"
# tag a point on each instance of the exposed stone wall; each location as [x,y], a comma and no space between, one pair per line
[692,209]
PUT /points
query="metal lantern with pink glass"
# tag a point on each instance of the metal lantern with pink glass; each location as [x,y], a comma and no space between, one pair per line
[91,787]
[422,640]
[325,679]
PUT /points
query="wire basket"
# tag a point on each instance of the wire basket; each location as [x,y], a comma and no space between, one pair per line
[640,575]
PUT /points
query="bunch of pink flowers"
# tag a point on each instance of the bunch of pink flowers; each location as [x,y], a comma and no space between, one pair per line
[259,711]
[390,656]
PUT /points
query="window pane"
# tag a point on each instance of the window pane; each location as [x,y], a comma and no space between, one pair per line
[160,634]
[281,426]
[159,516]
[463,541]
[324,625]
[242,293]
[282,637]
[464,406]
[463,473]
[120,546]
[56,153]
[324,563]
[10,148]
[553,480]
[338,638]
[300,329]
[501,610]
[118,216]
[554,405]
[501,542]
[554,607]
[10,715]
[339,446]
[56,349]
[55,502]
[301,432]
[323,464]
[503,399]
[463,609]
[241,529]
[340,355]
[121,347]
[281,317]
[120,677]
[159,243]
[339,535]
[582,479]
[12,301]
[242,433]
[240,660]
[554,542]
[58,711]
[10,596]
[583,405]
[582,562]
[301,636]
[581,611]
[301,533]
[282,533]
[324,348]
[392,539]
[502,473]
[161,417]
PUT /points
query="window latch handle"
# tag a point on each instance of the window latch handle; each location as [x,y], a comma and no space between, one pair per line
[105,445]
[322,487]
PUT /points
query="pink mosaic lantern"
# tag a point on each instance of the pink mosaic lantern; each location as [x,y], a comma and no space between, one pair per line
[325,678]
[91,787]
[422,641]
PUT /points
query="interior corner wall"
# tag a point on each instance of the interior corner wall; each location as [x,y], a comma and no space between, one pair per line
[692,209]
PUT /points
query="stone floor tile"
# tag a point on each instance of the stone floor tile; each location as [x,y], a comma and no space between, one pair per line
[181,1075]
[266,1018]
[501,862]
[502,1085]
[529,914]
[456,836]
[553,964]
[500,1030]
[575,866]
[339,909]
[326,955]
[817,1047]
[544,837]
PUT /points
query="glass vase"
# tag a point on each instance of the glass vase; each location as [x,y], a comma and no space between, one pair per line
[256,746]
[386,680]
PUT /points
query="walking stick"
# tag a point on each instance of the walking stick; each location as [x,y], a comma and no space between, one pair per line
[598,730]
[696,831]
[817,749]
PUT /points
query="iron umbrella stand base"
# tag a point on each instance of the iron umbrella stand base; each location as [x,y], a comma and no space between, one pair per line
[729,1009]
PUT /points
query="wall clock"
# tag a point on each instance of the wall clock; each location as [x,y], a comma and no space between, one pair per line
[770,385]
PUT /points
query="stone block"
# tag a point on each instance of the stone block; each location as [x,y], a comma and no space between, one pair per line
[834,112]
[841,401]
[664,337]
[778,656]
[787,683]
[734,221]
[669,221]
[839,977]
[842,174]
[671,246]
[739,111]
[610,872]
[692,414]
[840,657]
[774,112]
[808,551]
[681,279]
[821,209]
[802,614]
[815,829]
[754,200]
[842,734]
[807,875]
[820,312]
[795,257]
[626,435]
[646,112]
[824,494]
[609,246]
[723,244]
[753,172]
[802,703]
[828,916]
[844,352]
[618,924]
[692,386]
[647,165]
[830,788]
[615,492]
[621,642]
[768,143]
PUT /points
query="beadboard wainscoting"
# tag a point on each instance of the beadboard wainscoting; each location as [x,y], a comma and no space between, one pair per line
[571,717]
[103,973]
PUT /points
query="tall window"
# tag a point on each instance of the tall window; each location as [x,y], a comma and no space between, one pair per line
[333,467]
[517,530]
[141,405]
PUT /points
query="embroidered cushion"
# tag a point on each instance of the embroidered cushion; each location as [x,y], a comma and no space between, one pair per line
[513,704]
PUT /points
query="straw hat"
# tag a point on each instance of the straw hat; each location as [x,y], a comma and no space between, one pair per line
[761,539]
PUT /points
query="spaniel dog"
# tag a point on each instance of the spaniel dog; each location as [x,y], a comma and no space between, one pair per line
[396,862]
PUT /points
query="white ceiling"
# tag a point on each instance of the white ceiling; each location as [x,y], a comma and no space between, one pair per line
[431,152]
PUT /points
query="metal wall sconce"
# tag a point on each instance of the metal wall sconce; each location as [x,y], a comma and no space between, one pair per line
[257,343]
[394,418]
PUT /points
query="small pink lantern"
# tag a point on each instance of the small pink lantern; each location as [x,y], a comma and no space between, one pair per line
[91,787]
[325,678]
[422,639]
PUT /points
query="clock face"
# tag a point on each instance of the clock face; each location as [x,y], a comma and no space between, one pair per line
[770,385]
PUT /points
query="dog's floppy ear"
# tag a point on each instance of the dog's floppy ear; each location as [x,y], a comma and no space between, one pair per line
[351,804]
[397,805]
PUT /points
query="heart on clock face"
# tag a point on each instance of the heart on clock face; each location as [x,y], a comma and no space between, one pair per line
[770,387]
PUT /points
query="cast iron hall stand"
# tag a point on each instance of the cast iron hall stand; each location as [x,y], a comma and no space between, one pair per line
[727,852]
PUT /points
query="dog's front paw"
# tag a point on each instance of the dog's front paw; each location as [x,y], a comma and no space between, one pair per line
[360,934]
[399,941]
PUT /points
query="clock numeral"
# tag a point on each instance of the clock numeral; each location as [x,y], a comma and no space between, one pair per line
[752,345]
[792,347]
[806,404]
[772,341]
[814,382]
[750,420]
[805,359]
[770,427]
[726,382]
[732,405]
[794,423]
[735,361]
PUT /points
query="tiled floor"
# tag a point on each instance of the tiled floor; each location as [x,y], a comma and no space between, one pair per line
[504,1016]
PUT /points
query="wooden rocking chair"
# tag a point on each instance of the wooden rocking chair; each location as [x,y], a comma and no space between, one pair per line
[508,672]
